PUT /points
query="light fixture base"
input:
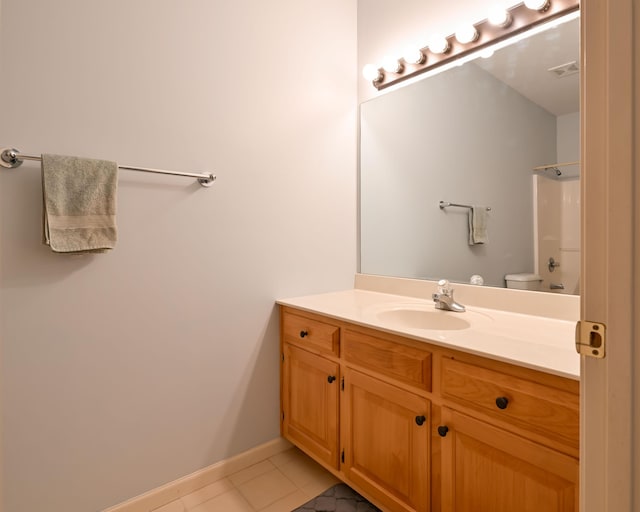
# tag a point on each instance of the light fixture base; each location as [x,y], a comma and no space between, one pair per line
[520,18]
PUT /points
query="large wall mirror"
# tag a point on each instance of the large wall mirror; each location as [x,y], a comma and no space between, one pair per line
[500,133]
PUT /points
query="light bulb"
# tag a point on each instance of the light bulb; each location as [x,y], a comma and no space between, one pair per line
[499,17]
[537,5]
[438,44]
[391,65]
[413,55]
[486,53]
[466,34]
[371,73]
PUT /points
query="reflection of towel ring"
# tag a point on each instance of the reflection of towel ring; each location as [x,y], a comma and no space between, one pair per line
[552,264]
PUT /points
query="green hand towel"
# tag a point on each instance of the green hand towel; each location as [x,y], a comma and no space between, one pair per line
[478,225]
[79,204]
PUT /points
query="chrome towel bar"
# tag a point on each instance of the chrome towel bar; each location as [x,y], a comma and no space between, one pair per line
[446,204]
[12,158]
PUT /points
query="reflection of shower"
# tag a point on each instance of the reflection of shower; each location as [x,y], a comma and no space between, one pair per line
[553,170]
[557,229]
[549,171]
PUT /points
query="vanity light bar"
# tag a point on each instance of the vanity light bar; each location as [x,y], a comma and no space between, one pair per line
[519,19]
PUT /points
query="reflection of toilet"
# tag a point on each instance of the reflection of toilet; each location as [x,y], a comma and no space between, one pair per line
[524,281]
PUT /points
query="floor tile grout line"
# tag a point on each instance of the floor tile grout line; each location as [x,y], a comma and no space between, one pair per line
[237,487]
[279,499]
[296,488]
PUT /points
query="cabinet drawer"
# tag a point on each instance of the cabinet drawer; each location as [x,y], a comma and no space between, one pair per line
[537,407]
[400,362]
[310,333]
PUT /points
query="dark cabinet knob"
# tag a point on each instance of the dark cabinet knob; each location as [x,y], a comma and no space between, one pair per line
[502,402]
[442,430]
[331,378]
[304,333]
[420,420]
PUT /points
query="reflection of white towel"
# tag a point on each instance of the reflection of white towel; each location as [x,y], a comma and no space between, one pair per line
[478,225]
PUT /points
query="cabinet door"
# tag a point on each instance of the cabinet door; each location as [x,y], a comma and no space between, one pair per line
[310,389]
[485,469]
[386,450]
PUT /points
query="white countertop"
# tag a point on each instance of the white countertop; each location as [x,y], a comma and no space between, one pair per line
[536,342]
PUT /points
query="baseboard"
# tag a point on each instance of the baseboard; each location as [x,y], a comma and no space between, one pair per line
[173,490]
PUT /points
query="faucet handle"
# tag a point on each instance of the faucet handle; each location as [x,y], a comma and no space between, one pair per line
[443,287]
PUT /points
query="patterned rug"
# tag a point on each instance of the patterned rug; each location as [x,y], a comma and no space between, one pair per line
[339,498]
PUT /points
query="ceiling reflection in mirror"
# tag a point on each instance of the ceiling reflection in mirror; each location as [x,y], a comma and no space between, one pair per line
[500,134]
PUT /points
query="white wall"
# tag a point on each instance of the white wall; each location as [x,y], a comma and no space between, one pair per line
[127,370]
[569,138]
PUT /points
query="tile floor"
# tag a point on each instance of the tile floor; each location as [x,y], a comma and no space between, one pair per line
[278,484]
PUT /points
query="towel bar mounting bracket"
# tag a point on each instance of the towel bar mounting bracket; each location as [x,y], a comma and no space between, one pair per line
[9,158]
[207,182]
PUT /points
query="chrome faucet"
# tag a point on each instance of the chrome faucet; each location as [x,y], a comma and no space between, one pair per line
[444,298]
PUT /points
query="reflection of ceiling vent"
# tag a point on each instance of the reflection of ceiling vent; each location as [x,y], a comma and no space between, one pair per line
[570,68]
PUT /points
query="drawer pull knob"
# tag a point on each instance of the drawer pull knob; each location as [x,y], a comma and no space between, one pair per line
[331,378]
[502,402]
[442,430]
[420,420]
[304,333]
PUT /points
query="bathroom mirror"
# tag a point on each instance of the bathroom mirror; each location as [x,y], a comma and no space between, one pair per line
[473,135]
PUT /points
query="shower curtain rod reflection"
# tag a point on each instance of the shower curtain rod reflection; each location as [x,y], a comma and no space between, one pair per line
[12,158]
[446,204]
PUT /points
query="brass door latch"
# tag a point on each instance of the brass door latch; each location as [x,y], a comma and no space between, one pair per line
[591,339]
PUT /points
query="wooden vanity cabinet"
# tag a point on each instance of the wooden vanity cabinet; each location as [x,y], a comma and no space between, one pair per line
[509,438]
[488,469]
[377,402]
[417,427]
[547,407]
[385,433]
[310,386]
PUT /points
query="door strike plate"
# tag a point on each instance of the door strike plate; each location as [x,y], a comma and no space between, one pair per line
[591,339]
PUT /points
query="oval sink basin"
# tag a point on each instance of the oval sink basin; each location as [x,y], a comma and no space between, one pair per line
[420,319]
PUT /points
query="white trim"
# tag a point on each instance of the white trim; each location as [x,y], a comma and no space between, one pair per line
[607,51]
[178,488]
